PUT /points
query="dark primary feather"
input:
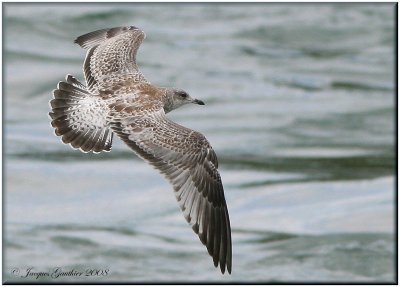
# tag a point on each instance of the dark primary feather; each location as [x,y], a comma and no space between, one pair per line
[97,37]
[187,160]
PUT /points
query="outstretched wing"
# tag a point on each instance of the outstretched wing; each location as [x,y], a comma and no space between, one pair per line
[111,56]
[190,164]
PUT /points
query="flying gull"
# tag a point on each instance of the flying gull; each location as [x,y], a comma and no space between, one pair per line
[117,99]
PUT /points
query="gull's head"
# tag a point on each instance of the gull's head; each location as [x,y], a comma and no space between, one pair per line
[176,98]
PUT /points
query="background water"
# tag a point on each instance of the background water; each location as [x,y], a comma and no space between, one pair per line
[299,108]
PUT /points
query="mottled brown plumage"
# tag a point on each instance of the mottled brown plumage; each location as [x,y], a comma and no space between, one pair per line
[118,99]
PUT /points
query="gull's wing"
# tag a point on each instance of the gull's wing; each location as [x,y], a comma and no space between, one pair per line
[111,57]
[188,161]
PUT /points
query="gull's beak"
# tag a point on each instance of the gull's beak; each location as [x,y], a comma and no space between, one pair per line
[196,101]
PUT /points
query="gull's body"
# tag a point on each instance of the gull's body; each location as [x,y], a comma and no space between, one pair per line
[117,99]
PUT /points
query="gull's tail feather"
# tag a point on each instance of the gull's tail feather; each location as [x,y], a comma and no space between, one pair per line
[79,117]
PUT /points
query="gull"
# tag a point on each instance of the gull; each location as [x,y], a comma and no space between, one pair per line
[117,99]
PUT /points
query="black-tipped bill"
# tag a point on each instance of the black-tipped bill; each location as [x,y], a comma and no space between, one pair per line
[196,101]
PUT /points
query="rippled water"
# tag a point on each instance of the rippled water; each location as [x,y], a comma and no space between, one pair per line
[299,108]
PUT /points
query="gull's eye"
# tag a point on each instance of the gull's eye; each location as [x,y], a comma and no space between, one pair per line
[183,95]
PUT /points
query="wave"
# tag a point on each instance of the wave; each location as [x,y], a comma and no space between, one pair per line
[36,57]
[259,255]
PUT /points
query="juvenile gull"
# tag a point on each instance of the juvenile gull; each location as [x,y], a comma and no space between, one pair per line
[118,99]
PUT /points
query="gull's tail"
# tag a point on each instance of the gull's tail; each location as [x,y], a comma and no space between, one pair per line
[79,117]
